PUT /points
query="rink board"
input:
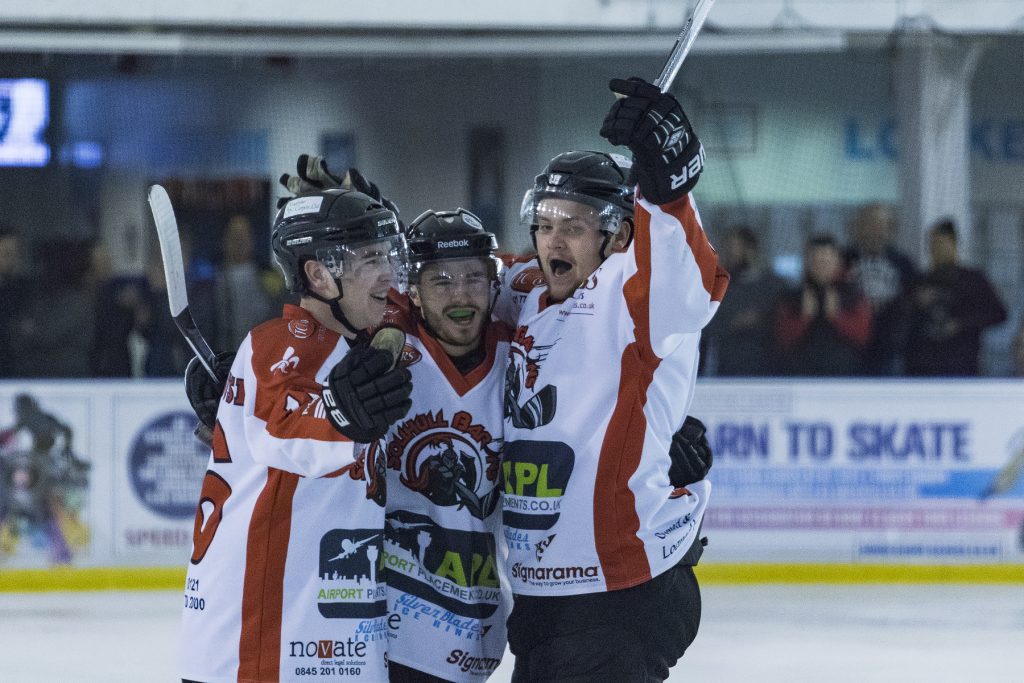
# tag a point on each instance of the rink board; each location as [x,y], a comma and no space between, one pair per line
[813,481]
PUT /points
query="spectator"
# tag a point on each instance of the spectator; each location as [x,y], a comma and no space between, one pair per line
[54,345]
[738,340]
[952,306]
[241,297]
[166,353]
[14,292]
[117,302]
[884,276]
[824,325]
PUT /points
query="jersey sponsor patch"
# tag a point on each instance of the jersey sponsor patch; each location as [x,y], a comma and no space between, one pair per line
[536,475]
[302,206]
[349,577]
[455,570]
[410,356]
[301,329]
[527,280]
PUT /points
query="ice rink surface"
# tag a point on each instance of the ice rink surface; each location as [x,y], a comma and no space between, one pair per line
[768,634]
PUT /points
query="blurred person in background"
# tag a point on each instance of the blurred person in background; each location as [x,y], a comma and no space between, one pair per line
[59,345]
[884,276]
[241,292]
[739,341]
[164,352]
[14,294]
[951,306]
[118,305]
[824,325]
[1017,352]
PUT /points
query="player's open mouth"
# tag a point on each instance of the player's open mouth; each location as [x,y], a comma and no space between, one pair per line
[559,267]
[461,316]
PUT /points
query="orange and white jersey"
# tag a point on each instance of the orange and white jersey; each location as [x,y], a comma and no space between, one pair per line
[283,582]
[597,385]
[446,609]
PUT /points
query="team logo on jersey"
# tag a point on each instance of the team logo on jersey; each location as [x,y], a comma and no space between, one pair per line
[528,409]
[536,474]
[540,546]
[527,280]
[301,329]
[287,362]
[453,569]
[349,571]
[410,356]
[451,462]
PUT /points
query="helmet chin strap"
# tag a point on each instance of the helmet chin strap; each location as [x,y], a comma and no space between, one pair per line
[335,306]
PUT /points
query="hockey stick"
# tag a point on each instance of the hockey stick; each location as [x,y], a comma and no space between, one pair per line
[174,272]
[683,44]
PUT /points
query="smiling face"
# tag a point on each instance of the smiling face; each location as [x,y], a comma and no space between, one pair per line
[366,272]
[569,240]
[454,296]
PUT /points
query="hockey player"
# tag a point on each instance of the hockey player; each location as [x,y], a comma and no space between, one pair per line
[283,581]
[445,604]
[603,533]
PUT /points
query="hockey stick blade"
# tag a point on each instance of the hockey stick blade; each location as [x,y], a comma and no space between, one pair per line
[174,272]
[683,44]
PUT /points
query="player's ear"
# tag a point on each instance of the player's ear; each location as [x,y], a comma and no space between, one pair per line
[623,236]
[319,278]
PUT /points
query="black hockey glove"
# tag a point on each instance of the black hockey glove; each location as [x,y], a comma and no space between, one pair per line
[668,157]
[690,453]
[204,392]
[312,175]
[364,395]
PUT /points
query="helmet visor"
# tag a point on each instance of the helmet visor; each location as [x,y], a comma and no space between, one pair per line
[367,260]
[569,210]
[475,275]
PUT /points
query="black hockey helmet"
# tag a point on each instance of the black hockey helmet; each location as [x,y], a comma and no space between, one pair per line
[598,179]
[439,235]
[325,226]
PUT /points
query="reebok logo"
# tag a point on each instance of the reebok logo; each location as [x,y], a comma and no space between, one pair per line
[452,244]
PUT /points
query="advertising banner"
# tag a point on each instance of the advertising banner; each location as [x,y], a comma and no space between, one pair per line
[97,473]
[107,474]
[838,471]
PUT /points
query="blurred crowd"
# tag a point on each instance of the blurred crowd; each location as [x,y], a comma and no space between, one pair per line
[63,313]
[858,310]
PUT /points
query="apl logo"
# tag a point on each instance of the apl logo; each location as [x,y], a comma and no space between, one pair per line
[536,475]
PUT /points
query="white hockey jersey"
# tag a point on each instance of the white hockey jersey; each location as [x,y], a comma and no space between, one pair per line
[283,582]
[445,607]
[597,385]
